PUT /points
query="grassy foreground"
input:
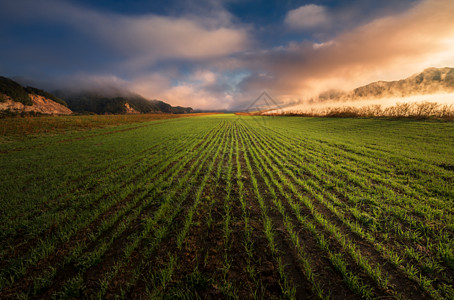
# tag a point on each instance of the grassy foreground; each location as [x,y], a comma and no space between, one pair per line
[230,206]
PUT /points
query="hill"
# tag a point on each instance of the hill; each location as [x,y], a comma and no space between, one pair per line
[430,81]
[15,99]
[117,103]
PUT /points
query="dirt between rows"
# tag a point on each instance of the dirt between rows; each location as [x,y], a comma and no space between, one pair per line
[212,264]
[56,259]
[399,281]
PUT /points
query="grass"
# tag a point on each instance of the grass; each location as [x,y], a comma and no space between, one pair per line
[24,126]
[226,206]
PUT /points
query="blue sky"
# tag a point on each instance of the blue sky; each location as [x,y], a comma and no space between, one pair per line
[218,54]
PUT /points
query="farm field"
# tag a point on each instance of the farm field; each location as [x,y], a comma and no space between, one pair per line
[228,206]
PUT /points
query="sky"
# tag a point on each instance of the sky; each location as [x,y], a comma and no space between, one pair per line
[221,54]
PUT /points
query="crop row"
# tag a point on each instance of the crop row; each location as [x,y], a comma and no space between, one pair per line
[225,206]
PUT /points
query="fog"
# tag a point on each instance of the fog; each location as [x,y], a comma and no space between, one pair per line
[308,106]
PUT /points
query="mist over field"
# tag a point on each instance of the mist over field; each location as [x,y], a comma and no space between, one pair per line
[307,107]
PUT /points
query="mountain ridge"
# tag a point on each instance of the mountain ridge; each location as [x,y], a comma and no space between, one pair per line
[18,99]
[116,102]
[429,81]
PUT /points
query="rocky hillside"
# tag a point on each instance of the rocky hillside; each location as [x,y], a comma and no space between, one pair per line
[430,81]
[40,105]
[16,99]
[116,102]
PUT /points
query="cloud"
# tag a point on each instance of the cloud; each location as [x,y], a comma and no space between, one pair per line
[145,39]
[202,89]
[307,17]
[199,89]
[153,38]
[387,48]
[212,61]
[153,49]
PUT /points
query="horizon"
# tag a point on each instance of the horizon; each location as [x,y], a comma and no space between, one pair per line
[219,55]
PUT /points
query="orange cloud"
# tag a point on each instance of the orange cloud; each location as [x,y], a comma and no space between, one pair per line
[385,49]
[195,90]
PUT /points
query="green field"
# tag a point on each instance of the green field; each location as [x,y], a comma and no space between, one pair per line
[229,206]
